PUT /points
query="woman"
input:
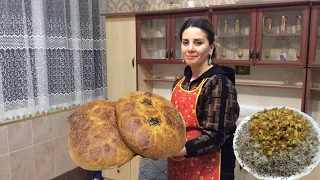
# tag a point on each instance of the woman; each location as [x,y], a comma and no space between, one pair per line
[207,100]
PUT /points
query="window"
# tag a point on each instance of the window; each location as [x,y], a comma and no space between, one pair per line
[52,55]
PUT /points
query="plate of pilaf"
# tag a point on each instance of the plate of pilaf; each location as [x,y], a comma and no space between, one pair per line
[278,143]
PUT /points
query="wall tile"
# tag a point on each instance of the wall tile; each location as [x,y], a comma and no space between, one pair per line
[61,123]
[42,129]
[4,167]
[4,149]
[44,160]
[20,135]
[63,161]
[21,164]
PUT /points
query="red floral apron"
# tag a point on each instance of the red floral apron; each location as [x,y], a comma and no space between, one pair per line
[202,167]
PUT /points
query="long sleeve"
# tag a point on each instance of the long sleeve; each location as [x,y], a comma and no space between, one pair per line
[217,118]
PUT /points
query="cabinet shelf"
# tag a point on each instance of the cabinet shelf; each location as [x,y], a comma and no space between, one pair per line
[282,34]
[159,80]
[152,38]
[239,84]
[315,89]
[233,36]
[268,85]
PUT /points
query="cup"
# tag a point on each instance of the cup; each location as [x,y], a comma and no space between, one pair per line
[267,53]
[240,53]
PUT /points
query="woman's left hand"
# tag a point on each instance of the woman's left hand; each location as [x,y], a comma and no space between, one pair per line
[182,152]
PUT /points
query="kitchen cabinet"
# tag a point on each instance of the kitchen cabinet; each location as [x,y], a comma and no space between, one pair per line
[128,171]
[283,44]
[313,93]
[121,55]
[235,31]
[121,77]
[313,78]
[314,44]
[246,36]
[262,36]
[158,36]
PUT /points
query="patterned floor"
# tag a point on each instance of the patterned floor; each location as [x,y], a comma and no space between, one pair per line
[153,169]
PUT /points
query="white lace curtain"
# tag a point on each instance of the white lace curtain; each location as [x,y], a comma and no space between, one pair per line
[52,55]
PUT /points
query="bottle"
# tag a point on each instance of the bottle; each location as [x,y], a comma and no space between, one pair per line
[237,26]
[268,26]
[283,24]
[298,24]
[225,27]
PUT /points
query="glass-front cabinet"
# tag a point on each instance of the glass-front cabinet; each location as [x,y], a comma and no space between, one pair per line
[257,36]
[262,36]
[152,39]
[158,38]
[314,42]
[282,36]
[235,36]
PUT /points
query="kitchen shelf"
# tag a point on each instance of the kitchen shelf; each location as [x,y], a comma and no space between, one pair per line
[153,38]
[282,34]
[268,85]
[233,36]
[240,84]
[315,89]
[159,80]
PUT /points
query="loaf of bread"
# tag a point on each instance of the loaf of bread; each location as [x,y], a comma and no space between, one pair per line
[94,141]
[150,125]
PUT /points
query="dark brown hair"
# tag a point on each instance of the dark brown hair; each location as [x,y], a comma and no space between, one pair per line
[202,23]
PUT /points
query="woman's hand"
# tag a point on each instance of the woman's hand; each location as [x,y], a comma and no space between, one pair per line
[180,155]
[182,152]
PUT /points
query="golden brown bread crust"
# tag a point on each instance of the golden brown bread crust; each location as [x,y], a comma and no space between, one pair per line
[94,140]
[150,125]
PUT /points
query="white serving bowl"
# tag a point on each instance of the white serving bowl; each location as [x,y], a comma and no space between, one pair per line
[307,170]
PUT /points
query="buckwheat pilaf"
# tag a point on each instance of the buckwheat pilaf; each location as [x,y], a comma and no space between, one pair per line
[277,143]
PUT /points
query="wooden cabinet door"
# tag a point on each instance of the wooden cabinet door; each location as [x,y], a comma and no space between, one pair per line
[236,33]
[121,73]
[135,168]
[314,45]
[282,36]
[121,54]
[129,171]
[152,39]
[120,173]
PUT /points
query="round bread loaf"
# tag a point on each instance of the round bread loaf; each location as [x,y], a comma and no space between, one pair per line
[150,125]
[94,140]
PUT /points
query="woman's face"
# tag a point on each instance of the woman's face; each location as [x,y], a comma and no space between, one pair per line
[195,46]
